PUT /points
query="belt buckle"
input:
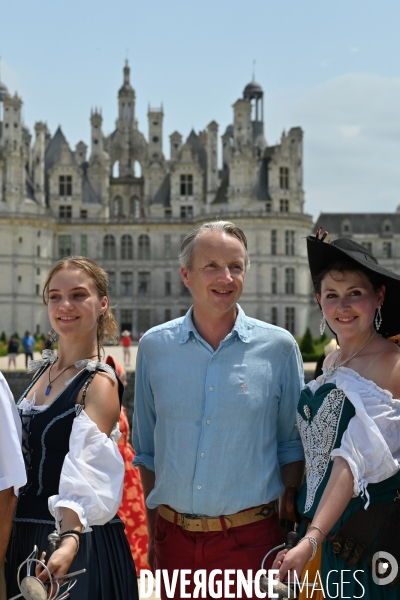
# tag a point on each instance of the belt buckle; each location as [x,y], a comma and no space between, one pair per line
[188,517]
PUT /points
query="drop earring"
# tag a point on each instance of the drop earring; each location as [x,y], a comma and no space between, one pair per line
[322,324]
[378,318]
[53,335]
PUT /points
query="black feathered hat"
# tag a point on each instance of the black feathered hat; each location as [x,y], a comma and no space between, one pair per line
[322,254]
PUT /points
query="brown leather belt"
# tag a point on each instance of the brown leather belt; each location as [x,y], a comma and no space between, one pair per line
[204,524]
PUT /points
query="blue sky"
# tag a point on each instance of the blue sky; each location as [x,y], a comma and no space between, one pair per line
[330,67]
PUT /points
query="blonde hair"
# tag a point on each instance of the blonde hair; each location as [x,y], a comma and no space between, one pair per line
[107,325]
[187,246]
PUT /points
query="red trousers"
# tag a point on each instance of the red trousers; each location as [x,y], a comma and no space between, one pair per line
[238,548]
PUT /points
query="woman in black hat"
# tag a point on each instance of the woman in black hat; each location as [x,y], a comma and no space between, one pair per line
[349,422]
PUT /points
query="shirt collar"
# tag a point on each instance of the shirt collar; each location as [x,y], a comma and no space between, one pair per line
[242,328]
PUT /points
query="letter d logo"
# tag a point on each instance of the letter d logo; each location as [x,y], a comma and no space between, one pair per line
[384,568]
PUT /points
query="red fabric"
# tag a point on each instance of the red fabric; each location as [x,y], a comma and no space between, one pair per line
[132,510]
[126,341]
[238,548]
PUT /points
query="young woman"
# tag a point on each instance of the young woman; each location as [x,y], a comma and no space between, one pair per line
[75,472]
[349,422]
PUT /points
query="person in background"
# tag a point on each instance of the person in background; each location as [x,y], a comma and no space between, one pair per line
[132,510]
[12,469]
[13,350]
[28,344]
[126,342]
[48,342]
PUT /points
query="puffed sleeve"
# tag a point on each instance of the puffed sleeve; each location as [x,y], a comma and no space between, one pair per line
[364,447]
[92,475]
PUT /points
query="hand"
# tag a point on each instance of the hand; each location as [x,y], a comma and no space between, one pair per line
[294,560]
[279,559]
[60,561]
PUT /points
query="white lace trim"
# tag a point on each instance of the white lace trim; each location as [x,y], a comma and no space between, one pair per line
[318,437]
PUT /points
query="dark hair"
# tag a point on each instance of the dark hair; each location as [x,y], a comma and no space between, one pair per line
[347,264]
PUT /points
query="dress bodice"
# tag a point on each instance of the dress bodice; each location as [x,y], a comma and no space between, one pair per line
[46,436]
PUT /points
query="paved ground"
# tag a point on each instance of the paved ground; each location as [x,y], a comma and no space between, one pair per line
[115,351]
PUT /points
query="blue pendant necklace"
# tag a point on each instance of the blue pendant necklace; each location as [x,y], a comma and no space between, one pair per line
[51,381]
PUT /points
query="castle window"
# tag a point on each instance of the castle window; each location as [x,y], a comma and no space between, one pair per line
[284,206]
[37,289]
[134,207]
[143,320]
[126,283]
[387,250]
[126,247]
[83,214]
[126,319]
[144,247]
[167,314]
[167,246]
[168,284]
[168,213]
[268,207]
[64,246]
[289,243]
[65,212]
[186,212]
[367,246]
[274,315]
[65,185]
[284,178]
[289,281]
[117,207]
[186,185]
[274,242]
[111,282]
[185,291]
[109,252]
[84,245]
[144,284]
[155,139]
[274,280]
[290,319]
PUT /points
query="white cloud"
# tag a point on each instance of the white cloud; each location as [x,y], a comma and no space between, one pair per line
[351,142]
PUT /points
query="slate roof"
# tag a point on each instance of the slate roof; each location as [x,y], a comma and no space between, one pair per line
[163,195]
[89,196]
[53,150]
[261,191]
[194,141]
[222,193]
[361,223]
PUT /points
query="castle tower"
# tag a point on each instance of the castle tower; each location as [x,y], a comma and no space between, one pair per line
[11,141]
[212,160]
[175,141]
[255,94]
[39,149]
[155,117]
[126,103]
[243,130]
[96,121]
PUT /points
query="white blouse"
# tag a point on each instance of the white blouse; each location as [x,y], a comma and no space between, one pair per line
[371,442]
[92,476]
[12,467]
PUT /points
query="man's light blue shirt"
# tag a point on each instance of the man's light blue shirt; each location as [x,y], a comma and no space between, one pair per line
[216,426]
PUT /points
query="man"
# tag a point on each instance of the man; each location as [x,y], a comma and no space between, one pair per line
[28,343]
[214,422]
[12,469]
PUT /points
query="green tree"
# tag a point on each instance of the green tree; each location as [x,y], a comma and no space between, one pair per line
[3,337]
[307,344]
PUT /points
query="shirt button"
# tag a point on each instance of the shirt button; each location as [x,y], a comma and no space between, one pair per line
[193,340]
[211,389]
[213,357]
[202,454]
[208,421]
[199,487]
